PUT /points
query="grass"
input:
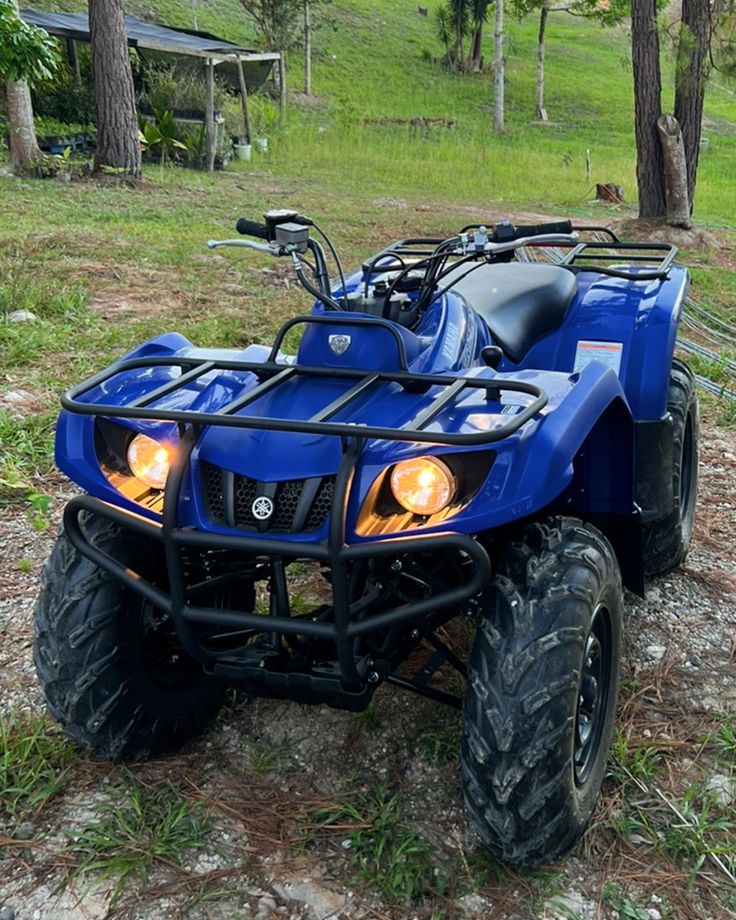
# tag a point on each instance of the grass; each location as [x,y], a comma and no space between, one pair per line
[266,759]
[724,740]
[687,825]
[385,853]
[379,60]
[144,827]
[25,452]
[440,744]
[34,762]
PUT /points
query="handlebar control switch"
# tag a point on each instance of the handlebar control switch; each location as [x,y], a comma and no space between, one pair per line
[503,232]
[278,216]
[294,236]
[480,238]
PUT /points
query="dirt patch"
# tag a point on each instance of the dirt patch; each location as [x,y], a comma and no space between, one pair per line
[276,779]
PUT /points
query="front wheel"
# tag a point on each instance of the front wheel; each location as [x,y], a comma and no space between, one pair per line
[541,693]
[112,668]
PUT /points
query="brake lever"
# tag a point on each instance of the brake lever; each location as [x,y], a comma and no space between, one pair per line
[268,248]
[545,239]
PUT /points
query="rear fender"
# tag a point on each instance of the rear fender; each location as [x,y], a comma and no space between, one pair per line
[640,317]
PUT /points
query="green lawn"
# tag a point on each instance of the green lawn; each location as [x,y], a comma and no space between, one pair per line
[377,59]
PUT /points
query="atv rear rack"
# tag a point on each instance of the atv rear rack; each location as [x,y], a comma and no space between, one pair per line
[586,256]
[272,374]
[420,248]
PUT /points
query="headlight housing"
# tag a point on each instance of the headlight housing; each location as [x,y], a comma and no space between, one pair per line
[149,461]
[423,485]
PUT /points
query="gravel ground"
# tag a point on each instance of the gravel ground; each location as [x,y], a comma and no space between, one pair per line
[679,644]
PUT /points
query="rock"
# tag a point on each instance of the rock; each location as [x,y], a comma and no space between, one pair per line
[322,903]
[570,904]
[657,652]
[475,904]
[654,914]
[36,915]
[397,203]
[7,913]
[22,316]
[25,831]
[723,788]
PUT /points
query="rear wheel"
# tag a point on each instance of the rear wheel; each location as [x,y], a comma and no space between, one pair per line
[666,540]
[113,670]
[541,692]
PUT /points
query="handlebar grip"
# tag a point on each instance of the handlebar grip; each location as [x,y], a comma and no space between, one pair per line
[252,228]
[560,226]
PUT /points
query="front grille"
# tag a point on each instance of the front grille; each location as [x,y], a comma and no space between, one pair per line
[299,505]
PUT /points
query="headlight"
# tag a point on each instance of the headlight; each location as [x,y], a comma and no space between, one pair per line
[424,485]
[149,461]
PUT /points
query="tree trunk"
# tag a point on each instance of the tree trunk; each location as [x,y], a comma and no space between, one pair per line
[24,149]
[210,141]
[539,109]
[282,83]
[690,77]
[476,50]
[675,172]
[117,124]
[244,103]
[307,49]
[498,71]
[647,107]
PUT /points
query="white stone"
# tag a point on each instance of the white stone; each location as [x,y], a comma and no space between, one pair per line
[657,652]
[723,788]
[22,316]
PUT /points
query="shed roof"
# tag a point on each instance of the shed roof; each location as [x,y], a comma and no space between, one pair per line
[149,35]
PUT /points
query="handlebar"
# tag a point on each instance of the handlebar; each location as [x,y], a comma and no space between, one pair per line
[505,231]
[252,228]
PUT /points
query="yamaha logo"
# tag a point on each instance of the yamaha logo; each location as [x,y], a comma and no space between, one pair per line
[339,343]
[262,508]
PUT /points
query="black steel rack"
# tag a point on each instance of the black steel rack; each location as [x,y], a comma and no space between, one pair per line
[272,374]
[588,256]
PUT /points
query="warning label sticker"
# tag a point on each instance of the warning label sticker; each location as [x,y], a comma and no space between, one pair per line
[608,353]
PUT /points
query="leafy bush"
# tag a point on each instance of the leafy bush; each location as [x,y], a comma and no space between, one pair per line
[264,115]
[174,89]
[46,126]
[66,102]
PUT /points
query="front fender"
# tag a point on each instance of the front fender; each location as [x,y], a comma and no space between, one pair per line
[538,465]
[532,474]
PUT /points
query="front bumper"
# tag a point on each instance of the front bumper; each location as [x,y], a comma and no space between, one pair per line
[344,630]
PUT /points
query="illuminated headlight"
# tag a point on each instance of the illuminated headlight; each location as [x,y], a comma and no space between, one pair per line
[423,485]
[149,461]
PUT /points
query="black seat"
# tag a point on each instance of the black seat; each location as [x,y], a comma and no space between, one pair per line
[520,301]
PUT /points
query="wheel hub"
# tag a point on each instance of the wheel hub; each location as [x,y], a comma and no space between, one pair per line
[592,695]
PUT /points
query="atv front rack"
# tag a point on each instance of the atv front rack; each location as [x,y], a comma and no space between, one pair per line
[272,374]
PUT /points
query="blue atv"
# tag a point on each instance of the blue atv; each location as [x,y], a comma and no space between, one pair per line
[472,451]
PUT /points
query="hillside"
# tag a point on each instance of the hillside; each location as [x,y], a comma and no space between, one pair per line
[377,60]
